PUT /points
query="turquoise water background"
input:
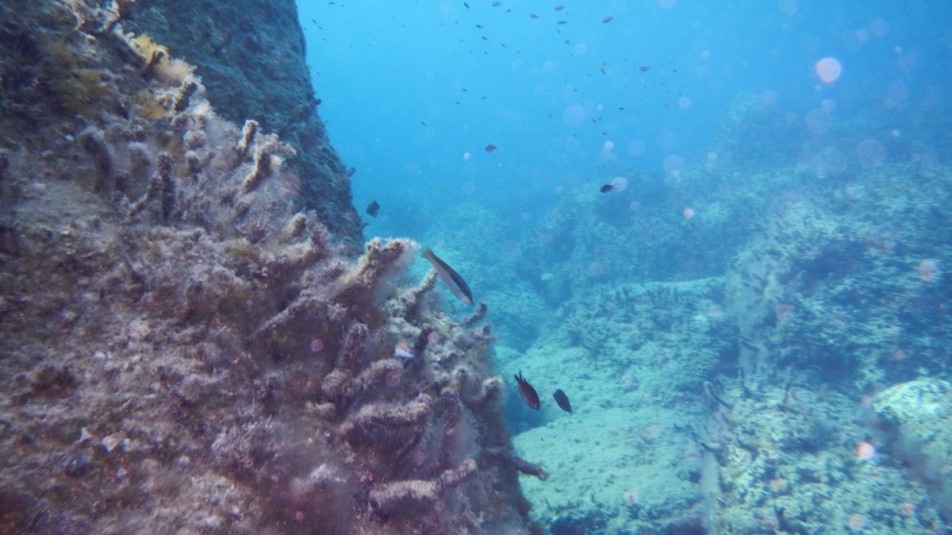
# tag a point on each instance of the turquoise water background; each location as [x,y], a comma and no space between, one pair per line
[730,324]
[410,88]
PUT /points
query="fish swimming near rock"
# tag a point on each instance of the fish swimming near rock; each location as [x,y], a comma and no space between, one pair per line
[528,393]
[449,276]
[402,351]
[562,400]
[373,208]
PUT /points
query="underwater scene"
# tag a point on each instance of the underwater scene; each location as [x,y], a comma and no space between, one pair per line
[327,267]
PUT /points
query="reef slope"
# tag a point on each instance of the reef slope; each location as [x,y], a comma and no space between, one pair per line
[185,352]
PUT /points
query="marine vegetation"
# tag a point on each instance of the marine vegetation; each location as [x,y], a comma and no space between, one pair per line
[183,352]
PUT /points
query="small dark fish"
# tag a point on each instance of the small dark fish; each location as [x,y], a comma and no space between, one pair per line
[533,16]
[606,20]
[465,4]
[606,188]
[562,400]
[496,4]
[559,8]
[644,68]
[449,276]
[373,208]
[527,392]
[490,148]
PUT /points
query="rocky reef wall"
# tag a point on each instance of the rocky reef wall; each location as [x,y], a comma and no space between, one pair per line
[183,349]
[250,55]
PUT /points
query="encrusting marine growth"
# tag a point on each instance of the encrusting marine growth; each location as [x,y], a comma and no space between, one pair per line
[182,352]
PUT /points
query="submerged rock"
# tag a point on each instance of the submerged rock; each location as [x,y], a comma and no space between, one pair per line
[183,352]
[920,415]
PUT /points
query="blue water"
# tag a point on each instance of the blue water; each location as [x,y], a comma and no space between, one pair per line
[409,89]
[795,146]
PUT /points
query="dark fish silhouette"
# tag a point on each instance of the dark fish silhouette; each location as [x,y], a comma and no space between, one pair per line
[606,188]
[490,148]
[450,277]
[527,392]
[562,400]
[373,208]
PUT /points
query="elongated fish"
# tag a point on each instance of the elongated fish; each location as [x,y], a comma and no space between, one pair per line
[450,278]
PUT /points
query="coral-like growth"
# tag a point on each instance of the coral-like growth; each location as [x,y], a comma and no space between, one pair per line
[183,352]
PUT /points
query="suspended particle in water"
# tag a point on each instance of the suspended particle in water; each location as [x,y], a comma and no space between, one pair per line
[317,345]
[865,451]
[856,521]
[619,183]
[927,269]
[828,70]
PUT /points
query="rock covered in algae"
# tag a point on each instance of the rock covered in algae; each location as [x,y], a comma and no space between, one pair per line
[920,414]
[185,353]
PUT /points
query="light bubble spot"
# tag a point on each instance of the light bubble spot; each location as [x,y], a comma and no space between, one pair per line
[636,147]
[608,145]
[317,345]
[634,205]
[667,4]
[828,70]
[467,155]
[688,213]
[865,451]
[684,103]
[817,122]
[879,28]
[620,183]
[673,164]
[870,153]
[581,49]
[573,115]
[788,7]
[856,522]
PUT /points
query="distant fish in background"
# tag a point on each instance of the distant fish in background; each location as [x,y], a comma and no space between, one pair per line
[562,400]
[528,393]
[606,188]
[373,208]
[450,277]
[490,147]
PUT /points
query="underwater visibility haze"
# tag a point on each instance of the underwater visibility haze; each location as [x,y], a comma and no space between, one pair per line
[483,266]
[721,228]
